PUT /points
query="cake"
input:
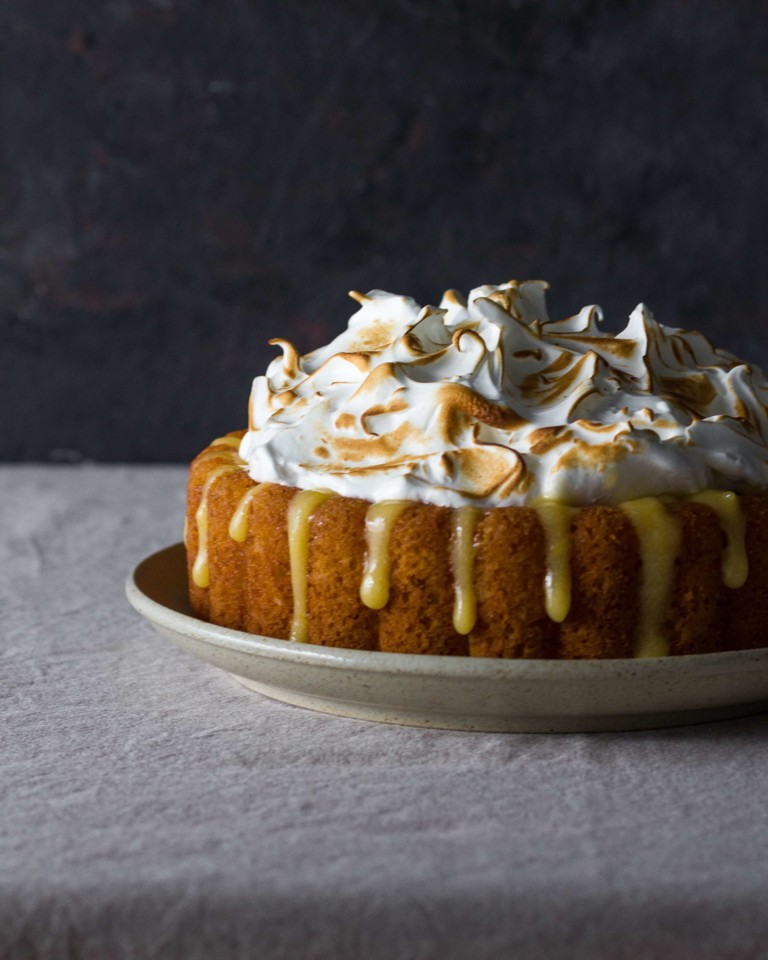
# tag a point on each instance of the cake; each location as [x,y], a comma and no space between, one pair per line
[474,479]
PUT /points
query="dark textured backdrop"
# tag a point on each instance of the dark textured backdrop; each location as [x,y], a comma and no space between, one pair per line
[183,179]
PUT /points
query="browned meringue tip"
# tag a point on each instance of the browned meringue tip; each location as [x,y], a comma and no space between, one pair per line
[291,359]
[360,297]
[453,296]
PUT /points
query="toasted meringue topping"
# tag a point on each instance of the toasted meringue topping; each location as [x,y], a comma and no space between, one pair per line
[487,402]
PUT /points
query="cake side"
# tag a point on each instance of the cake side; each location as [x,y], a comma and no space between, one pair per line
[249,575]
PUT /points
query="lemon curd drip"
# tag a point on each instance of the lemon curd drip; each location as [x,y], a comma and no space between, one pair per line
[300,513]
[556,519]
[201,575]
[238,525]
[226,442]
[379,522]
[659,536]
[727,506]
[463,562]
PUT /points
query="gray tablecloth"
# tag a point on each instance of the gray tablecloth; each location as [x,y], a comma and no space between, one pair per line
[153,807]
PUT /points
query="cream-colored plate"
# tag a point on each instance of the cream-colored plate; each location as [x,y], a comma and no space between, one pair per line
[459,693]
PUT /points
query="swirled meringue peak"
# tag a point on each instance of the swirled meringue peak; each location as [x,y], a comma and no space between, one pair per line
[486,401]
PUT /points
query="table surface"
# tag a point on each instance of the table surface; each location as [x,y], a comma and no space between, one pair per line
[150,806]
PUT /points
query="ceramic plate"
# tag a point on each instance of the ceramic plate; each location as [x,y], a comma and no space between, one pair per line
[459,693]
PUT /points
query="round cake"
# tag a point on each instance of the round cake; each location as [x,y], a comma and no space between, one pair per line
[474,479]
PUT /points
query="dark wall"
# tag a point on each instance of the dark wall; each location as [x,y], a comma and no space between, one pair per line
[183,180]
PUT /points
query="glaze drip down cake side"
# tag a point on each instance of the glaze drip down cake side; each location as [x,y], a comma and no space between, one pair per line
[475,479]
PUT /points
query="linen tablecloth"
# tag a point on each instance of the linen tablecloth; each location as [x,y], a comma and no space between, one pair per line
[153,807]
